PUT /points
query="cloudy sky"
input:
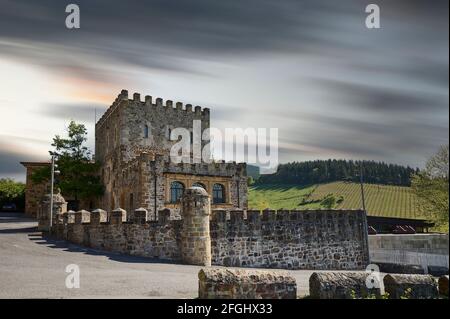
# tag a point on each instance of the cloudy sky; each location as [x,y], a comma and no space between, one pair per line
[332,87]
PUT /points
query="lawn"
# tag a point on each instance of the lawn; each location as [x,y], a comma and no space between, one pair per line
[381,200]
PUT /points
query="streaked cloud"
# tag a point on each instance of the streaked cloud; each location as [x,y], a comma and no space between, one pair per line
[310,68]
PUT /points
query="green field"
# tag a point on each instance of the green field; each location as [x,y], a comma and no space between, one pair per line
[381,200]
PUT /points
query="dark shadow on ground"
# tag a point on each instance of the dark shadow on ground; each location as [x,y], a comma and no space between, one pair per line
[18,230]
[52,242]
[14,217]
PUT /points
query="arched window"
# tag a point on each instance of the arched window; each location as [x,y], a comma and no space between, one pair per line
[176,191]
[218,194]
[198,184]
[146,131]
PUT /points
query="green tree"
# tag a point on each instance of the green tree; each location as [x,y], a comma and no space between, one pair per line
[431,188]
[12,192]
[78,176]
[329,201]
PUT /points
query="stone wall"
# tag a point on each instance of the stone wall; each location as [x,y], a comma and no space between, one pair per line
[158,239]
[423,243]
[283,239]
[323,239]
[403,253]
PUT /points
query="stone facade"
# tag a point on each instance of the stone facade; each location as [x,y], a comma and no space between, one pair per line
[322,239]
[34,192]
[132,144]
[219,283]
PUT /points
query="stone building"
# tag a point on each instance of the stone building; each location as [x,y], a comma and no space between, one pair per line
[34,192]
[132,143]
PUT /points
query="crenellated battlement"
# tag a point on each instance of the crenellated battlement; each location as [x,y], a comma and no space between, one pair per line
[177,107]
[122,97]
[155,103]
[267,215]
[218,168]
[293,239]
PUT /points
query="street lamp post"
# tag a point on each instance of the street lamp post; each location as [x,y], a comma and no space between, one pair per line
[52,183]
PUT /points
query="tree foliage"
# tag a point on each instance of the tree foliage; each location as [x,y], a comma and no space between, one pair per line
[324,171]
[78,173]
[11,191]
[432,185]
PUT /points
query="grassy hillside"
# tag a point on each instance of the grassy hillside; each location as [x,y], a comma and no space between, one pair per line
[381,200]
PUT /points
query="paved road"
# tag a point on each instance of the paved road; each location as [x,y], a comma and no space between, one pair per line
[34,267]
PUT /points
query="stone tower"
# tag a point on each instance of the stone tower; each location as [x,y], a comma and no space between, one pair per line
[196,240]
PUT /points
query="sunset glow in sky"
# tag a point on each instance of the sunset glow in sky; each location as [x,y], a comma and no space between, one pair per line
[334,88]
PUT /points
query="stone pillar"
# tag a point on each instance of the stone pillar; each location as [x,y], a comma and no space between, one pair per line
[98,216]
[118,216]
[82,216]
[140,216]
[164,216]
[196,240]
[59,207]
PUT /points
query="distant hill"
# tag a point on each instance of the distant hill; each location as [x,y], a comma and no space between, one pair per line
[325,171]
[381,200]
[253,171]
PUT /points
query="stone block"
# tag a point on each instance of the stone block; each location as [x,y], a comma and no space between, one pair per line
[254,216]
[269,215]
[410,286]
[223,283]
[118,216]
[164,216]
[443,285]
[140,216]
[219,215]
[98,216]
[82,216]
[236,217]
[340,285]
